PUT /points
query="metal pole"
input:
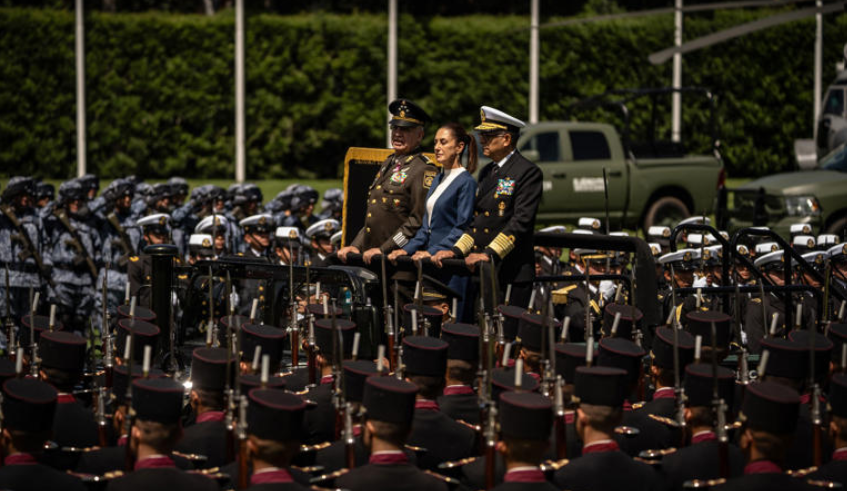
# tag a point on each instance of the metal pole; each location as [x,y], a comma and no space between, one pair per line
[676,97]
[533,63]
[240,154]
[392,59]
[818,65]
[80,91]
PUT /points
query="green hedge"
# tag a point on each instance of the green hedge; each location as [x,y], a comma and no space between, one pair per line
[160,86]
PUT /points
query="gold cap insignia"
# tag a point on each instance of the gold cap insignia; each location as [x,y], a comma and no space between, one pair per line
[292,234]
[163,220]
[263,220]
[810,243]
[328,226]
[206,243]
[666,232]
[686,257]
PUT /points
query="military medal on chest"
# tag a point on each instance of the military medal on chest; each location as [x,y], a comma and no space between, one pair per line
[502,208]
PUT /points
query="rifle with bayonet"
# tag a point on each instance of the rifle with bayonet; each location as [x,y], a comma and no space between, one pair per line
[678,390]
[29,249]
[129,457]
[231,401]
[293,326]
[817,420]
[9,323]
[720,408]
[33,345]
[388,315]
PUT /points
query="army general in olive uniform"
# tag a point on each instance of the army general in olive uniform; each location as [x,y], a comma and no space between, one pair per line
[397,196]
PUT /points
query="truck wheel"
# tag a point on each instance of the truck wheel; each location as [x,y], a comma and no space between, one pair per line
[667,211]
[837,227]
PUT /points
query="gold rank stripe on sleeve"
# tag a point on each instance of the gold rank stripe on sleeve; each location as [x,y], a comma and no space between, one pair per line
[502,244]
[465,244]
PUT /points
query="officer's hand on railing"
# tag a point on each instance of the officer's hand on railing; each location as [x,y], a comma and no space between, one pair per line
[440,256]
[474,258]
[395,254]
[342,253]
[370,253]
[421,255]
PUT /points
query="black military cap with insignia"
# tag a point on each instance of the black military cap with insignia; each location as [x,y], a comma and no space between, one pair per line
[625,324]
[275,415]
[600,386]
[700,383]
[120,380]
[503,380]
[531,333]
[525,415]
[462,340]
[356,372]
[770,407]
[838,395]
[270,339]
[158,400]
[621,353]
[209,368]
[406,113]
[323,336]
[62,350]
[423,355]
[662,349]
[28,405]
[41,324]
[390,400]
[143,334]
[823,351]
[788,359]
[699,323]
[569,356]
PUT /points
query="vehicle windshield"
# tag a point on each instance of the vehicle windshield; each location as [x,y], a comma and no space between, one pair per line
[836,160]
[834,102]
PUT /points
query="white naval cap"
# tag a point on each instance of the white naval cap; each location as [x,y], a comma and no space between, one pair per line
[327,227]
[589,223]
[495,119]
[769,258]
[700,239]
[655,248]
[336,237]
[803,241]
[558,229]
[154,220]
[837,250]
[815,257]
[200,240]
[659,231]
[699,220]
[766,247]
[827,240]
[288,233]
[800,228]
[210,223]
[262,220]
[684,256]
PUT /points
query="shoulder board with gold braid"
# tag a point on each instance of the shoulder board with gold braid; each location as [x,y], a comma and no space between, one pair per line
[665,421]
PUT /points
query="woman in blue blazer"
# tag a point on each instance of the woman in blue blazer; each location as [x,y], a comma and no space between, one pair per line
[449,202]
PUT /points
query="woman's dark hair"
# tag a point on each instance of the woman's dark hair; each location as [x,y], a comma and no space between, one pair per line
[469,141]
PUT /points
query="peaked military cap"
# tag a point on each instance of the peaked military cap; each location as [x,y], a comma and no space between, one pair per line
[143,333]
[275,415]
[62,350]
[323,336]
[697,240]
[569,356]
[209,368]
[625,325]
[662,350]
[462,341]
[803,243]
[201,244]
[336,238]
[589,223]
[826,241]
[772,261]
[621,353]
[655,249]
[270,338]
[157,399]
[556,229]
[28,404]
[766,248]
[682,260]
[212,224]
[700,383]
[837,253]
[699,323]
[600,386]
[787,358]
[531,332]
[697,220]
[120,380]
[262,222]
[525,415]
[838,395]
[406,113]
[770,407]
[390,400]
[423,355]
[503,380]
[356,372]
[288,236]
[800,229]
[659,234]
[823,351]
[41,324]
[492,120]
[157,222]
[323,229]
[816,259]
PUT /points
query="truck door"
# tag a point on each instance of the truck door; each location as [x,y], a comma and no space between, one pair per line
[546,144]
[590,152]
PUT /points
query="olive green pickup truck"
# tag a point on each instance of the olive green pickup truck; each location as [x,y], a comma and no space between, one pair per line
[648,185]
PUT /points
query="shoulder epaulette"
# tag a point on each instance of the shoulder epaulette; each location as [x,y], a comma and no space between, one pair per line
[457,463]
[449,480]
[756,300]
[657,453]
[665,421]
[553,465]
[477,428]
[801,472]
[329,477]
[133,258]
[637,405]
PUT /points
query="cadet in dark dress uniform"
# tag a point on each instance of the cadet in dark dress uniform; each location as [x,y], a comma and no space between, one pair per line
[699,460]
[770,411]
[459,400]
[158,408]
[390,406]
[662,370]
[207,436]
[319,235]
[156,230]
[507,200]
[397,196]
[602,466]
[274,432]
[425,361]
[836,469]
[28,409]
[525,424]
